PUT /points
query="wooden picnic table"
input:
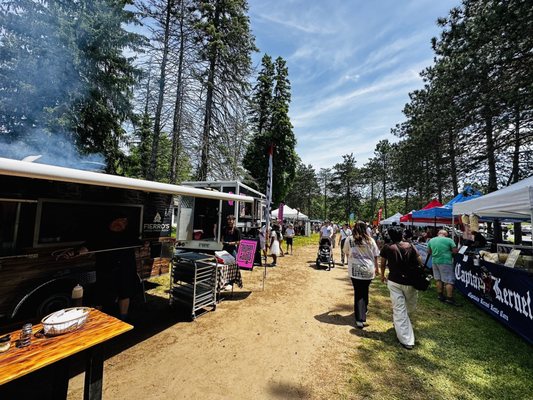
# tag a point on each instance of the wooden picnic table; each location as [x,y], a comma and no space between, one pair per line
[56,350]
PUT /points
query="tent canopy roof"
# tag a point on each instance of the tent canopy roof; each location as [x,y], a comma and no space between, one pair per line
[409,217]
[395,218]
[289,213]
[445,212]
[514,201]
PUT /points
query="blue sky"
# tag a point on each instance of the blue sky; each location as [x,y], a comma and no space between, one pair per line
[352,64]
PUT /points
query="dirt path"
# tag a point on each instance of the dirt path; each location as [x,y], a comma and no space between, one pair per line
[290,341]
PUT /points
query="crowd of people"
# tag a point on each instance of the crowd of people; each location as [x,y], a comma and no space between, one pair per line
[370,251]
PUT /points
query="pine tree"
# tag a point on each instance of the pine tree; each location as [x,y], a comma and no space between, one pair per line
[225,46]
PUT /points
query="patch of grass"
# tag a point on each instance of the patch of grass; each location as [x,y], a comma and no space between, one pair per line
[301,241]
[460,353]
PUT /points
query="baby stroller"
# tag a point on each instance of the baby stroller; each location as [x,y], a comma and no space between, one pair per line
[325,254]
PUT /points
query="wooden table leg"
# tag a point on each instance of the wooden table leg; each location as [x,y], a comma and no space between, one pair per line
[60,379]
[94,373]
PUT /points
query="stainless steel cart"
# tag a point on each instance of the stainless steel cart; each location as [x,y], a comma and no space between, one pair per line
[193,281]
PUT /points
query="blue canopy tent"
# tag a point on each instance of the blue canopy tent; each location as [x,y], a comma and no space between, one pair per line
[444,214]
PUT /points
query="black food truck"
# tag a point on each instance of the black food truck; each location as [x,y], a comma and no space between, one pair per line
[46,211]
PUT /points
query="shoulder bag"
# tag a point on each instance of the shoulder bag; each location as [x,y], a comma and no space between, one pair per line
[416,274]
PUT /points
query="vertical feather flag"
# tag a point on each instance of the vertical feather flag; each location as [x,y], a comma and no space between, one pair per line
[269,186]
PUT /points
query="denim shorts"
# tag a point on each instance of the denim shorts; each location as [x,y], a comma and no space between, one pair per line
[444,273]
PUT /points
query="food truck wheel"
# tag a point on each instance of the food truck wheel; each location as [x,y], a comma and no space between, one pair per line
[44,302]
[53,302]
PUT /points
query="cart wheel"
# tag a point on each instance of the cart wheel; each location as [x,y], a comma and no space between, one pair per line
[317,263]
[193,317]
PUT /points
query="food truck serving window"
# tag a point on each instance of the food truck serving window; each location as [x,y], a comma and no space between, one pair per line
[72,222]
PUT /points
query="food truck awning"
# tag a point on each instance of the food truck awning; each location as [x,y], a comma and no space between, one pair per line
[49,172]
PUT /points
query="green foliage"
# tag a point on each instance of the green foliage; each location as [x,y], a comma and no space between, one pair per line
[225,44]
[63,69]
[473,119]
[272,126]
[344,187]
[304,191]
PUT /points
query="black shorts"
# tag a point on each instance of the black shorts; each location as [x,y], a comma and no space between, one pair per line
[288,241]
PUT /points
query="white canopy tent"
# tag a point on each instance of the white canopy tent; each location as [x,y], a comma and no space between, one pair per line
[395,218]
[515,201]
[289,213]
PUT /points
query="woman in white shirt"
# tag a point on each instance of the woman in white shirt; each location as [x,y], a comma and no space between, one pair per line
[362,253]
[274,244]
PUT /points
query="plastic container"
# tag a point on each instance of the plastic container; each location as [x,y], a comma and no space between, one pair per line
[77,295]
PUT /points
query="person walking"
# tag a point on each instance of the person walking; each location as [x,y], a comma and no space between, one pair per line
[344,232]
[274,244]
[362,254]
[264,234]
[335,229]
[289,235]
[442,249]
[326,231]
[399,256]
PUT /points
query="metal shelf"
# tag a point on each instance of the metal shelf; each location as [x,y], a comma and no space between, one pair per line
[193,282]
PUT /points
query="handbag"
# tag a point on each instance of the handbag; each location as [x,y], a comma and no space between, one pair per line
[419,278]
[417,275]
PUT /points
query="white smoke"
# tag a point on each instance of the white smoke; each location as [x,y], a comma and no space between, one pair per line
[56,149]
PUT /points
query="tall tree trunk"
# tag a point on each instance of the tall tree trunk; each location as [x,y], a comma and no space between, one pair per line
[208,115]
[372,199]
[384,181]
[438,167]
[178,105]
[453,167]
[491,159]
[162,82]
[325,198]
[516,170]
[406,201]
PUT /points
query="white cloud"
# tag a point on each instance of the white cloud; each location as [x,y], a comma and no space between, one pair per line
[342,101]
[351,66]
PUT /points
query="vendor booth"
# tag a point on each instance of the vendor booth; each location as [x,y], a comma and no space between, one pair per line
[290,214]
[501,284]
[409,217]
[298,218]
[394,219]
[443,214]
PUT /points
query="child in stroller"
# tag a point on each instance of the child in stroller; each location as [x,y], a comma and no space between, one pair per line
[325,253]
